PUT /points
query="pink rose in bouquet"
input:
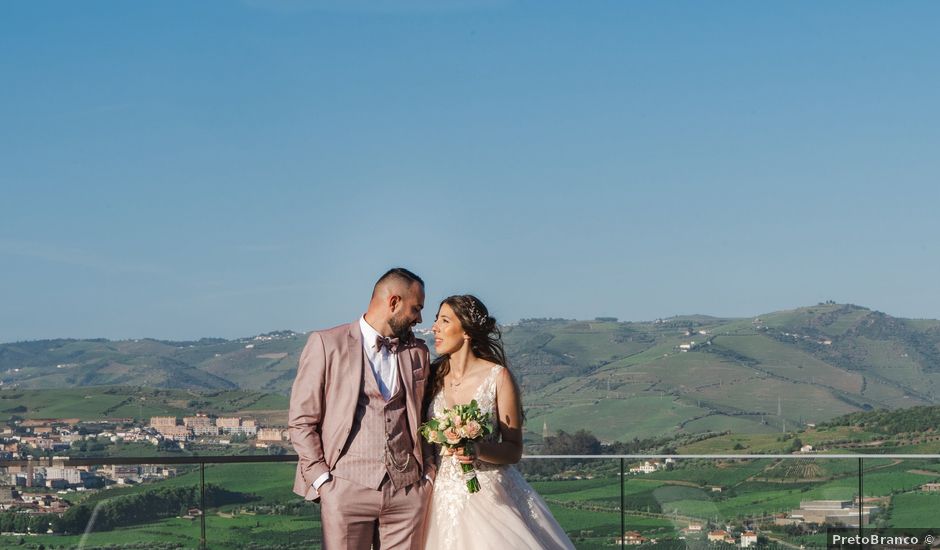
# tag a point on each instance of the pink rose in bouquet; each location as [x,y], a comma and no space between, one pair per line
[473,429]
[452,436]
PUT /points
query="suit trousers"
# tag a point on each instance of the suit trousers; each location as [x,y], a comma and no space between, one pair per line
[355,517]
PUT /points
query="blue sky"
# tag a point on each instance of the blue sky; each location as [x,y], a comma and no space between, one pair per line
[188,169]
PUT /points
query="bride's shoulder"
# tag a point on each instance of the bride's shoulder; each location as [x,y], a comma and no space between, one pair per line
[497,373]
[504,379]
[490,367]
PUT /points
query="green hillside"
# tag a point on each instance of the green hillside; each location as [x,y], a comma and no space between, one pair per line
[672,376]
[266,362]
[779,370]
[101,402]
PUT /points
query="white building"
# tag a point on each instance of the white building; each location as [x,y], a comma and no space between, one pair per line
[647,467]
[73,476]
[748,538]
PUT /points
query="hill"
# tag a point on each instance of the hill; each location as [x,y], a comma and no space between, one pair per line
[697,374]
[688,374]
[103,402]
[910,431]
[265,362]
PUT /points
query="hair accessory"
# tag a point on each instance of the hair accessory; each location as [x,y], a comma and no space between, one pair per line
[476,316]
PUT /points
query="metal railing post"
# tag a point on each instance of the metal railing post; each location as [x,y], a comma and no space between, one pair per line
[861,497]
[623,526]
[202,505]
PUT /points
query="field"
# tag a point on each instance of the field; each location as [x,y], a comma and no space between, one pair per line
[270,482]
[772,443]
[222,532]
[789,363]
[915,510]
[616,419]
[715,473]
[717,423]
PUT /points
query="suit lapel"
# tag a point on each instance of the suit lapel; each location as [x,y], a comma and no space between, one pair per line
[407,380]
[404,368]
[352,362]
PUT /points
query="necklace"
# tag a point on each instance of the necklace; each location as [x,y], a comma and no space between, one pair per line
[454,381]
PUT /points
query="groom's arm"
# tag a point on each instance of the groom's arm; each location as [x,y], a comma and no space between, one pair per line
[430,459]
[306,411]
[428,450]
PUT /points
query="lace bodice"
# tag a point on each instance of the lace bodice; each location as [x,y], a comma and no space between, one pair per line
[506,513]
[485,397]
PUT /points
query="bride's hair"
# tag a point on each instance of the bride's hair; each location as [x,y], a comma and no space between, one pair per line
[486,342]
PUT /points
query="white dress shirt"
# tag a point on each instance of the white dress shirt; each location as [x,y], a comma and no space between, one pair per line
[383,362]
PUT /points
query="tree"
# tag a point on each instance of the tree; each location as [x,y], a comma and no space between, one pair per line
[582,442]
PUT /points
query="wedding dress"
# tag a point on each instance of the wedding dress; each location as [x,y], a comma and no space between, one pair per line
[506,513]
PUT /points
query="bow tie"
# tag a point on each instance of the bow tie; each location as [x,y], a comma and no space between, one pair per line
[390,343]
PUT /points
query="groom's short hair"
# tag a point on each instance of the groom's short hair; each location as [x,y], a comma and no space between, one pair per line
[397,275]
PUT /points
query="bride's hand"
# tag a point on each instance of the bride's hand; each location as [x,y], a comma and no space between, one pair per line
[463,456]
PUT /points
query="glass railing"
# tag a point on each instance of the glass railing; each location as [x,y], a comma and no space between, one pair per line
[602,501]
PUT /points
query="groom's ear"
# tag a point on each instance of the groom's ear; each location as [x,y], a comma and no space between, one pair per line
[394,302]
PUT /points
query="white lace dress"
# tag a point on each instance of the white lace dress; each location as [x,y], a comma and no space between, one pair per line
[505,513]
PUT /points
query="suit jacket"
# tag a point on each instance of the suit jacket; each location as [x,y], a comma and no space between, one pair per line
[324,397]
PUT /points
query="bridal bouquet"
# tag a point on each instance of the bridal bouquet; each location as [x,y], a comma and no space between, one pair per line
[460,427]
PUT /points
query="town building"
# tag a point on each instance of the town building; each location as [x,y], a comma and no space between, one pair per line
[228,423]
[72,476]
[8,496]
[123,473]
[237,426]
[647,467]
[631,538]
[828,511]
[176,433]
[249,427]
[720,536]
[201,425]
[159,422]
[271,434]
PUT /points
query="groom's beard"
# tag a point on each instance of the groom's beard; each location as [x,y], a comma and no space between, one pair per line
[401,328]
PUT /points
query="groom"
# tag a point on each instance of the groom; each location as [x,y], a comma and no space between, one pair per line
[355,408]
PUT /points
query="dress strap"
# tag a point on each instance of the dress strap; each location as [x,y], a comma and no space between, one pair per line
[491,377]
[487,389]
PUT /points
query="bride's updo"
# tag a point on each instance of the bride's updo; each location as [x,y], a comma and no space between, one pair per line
[485,337]
[486,341]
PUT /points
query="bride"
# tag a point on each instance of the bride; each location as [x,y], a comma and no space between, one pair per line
[506,512]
